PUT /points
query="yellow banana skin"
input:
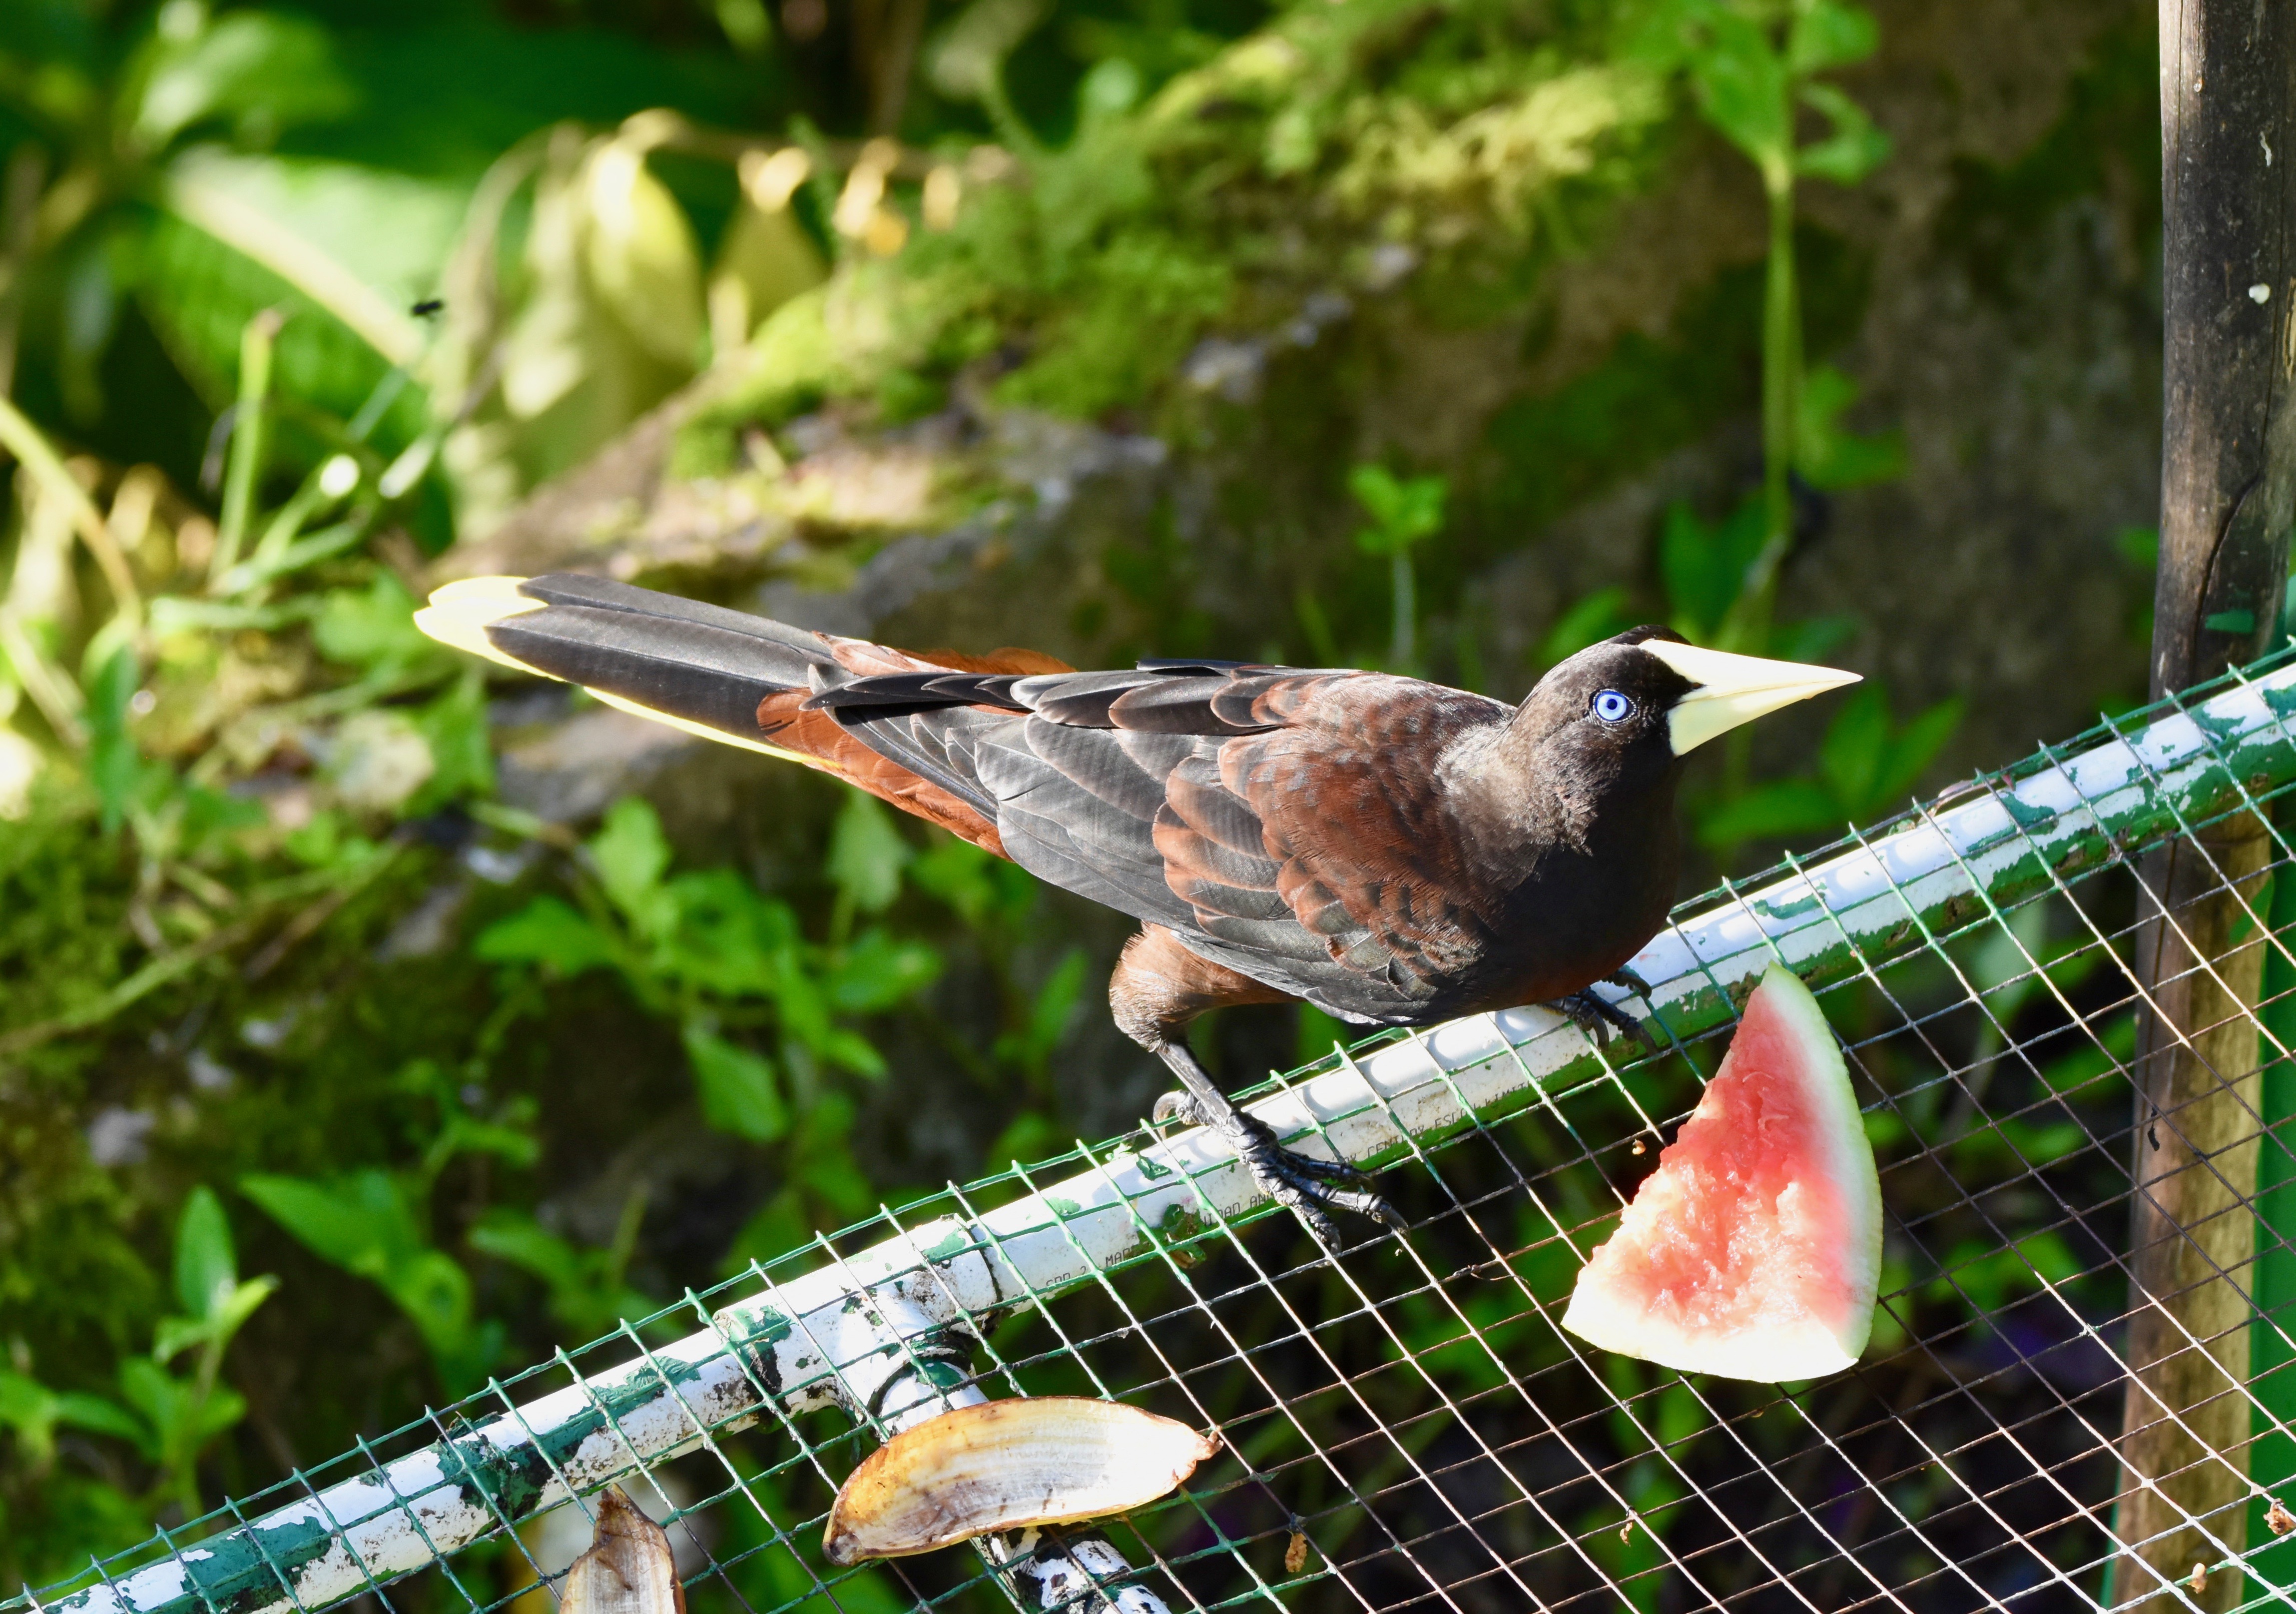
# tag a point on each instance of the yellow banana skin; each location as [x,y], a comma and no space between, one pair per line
[1004,1465]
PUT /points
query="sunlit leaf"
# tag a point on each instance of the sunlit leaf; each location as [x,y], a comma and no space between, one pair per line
[966,60]
[207,1268]
[764,259]
[262,70]
[360,1222]
[1744,90]
[631,856]
[642,259]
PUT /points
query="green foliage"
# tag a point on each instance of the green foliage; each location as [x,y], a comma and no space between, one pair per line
[167,1421]
[365,1224]
[1404,511]
[1867,768]
[1752,64]
[228,792]
[588,1291]
[730,967]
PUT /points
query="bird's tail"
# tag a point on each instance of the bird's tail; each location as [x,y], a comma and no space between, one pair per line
[699,667]
[724,675]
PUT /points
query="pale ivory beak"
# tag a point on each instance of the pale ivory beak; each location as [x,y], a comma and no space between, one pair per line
[1733,689]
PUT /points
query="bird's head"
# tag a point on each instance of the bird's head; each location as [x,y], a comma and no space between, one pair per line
[1634,705]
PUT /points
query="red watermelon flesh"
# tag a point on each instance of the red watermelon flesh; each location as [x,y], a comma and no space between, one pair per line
[1753,1251]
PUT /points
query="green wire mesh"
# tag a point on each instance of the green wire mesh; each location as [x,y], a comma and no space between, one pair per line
[1405,1426]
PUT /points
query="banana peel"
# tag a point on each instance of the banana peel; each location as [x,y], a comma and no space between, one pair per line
[1006,1465]
[630,1568]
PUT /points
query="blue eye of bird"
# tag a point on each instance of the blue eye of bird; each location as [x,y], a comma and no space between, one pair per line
[1612,707]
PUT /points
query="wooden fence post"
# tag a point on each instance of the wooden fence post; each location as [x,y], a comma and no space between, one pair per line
[2228,488]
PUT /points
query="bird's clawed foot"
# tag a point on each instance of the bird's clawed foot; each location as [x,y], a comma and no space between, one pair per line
[1300,1182]
[1598,1016]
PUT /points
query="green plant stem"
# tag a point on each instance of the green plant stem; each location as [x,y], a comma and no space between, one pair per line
[1746,628]
[1781,379]
[246,444]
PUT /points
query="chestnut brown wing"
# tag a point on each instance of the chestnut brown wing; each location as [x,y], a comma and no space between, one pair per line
[1288,824]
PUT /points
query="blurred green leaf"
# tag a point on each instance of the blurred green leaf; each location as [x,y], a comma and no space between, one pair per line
[372,629]
[551,933]
[630,857]
[1914,747]
[1856,746]
[1825,34]
[966,60]
[849,1050]
[455,727]
[1704,567]
[1830,457]
[641,255]
[587,1293]
[1744,88]
[1050,1014]
[878,970]
[33,1413]
[1317,1033]
[262,71]
[115,767]
[1852,150]
[1600,616]
[364,1224]
[739,1091]
[207,1268]
[1811,638]
[725,937]
[1404,510]
[866,855]
[360,1222]
[981,888]
[1777,811]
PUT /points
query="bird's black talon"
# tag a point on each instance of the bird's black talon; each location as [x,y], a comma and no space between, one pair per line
[1597,1016]
[1182,1106]
[1632,982]
[1179,1107]
[1301,1183]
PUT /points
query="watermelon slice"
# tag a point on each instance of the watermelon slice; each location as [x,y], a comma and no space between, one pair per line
[1754,1250]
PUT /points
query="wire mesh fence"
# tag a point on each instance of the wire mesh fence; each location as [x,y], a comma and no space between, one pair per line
[1404,1424]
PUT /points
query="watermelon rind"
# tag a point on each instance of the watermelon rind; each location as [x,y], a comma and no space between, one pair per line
[1784,1349]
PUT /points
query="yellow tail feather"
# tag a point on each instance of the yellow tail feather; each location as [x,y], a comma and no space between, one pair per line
[460,613]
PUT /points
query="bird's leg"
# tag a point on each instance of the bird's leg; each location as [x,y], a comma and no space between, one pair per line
[1596,1016]
[1298,1181]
